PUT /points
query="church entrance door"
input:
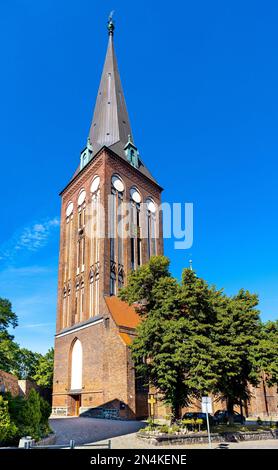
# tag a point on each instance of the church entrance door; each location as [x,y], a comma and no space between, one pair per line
[76,402]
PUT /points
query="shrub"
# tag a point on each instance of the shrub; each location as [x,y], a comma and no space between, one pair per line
[188,424]
[8,429]
[29,415]
[45,413]
[175,428]
[151,424]
[164,429]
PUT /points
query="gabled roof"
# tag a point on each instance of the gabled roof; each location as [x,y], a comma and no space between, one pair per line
[123,314]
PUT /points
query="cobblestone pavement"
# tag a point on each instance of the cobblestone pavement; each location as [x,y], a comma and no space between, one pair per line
[123,435]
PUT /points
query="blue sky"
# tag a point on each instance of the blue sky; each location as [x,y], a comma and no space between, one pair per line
[200,80]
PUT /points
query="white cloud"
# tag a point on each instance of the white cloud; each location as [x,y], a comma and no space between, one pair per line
[25,271]
[35,325]
[30,238]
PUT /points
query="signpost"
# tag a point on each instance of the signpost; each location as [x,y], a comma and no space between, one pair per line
[207,408]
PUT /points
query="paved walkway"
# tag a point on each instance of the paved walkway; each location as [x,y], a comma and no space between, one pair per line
[84,430]
[130,441]
[123,435]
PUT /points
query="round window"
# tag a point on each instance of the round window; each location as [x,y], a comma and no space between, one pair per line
[135,195]
[81,197]
[69,209]
[151,206]
[95,184]
[117,183]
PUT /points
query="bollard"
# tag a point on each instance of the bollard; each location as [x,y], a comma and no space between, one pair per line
[72,443]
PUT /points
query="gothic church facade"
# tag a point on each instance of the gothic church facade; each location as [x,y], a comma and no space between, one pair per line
[100,242]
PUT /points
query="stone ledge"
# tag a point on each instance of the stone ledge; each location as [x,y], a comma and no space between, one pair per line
[167,439]
[47,441]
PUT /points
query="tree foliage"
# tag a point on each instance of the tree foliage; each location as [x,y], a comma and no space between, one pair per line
[8,348]
[29,415]
[7,317]
[8,429]
[237,335]
[22,362]
[27,363]
[267,352]
[43,375]
[194,340]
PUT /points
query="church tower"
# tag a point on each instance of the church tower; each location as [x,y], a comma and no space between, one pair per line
[110,224]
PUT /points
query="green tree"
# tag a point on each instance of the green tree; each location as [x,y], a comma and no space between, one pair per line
[7,317]
[44,371]
[27,363]
[267,352]
[173,350]
[8,429]
[237,335]
[30,416]
[8,348]
[9,351]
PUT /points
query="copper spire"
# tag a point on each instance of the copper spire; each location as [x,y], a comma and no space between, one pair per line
[110,123]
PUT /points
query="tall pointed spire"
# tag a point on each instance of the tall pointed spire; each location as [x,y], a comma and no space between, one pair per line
[110,126]
[110,123]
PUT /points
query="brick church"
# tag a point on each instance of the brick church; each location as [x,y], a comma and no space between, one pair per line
[93,368]
[110,224]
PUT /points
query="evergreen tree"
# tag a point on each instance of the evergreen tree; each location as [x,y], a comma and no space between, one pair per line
[8,429]
[30,415]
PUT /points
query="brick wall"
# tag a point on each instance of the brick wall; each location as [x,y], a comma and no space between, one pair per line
[25,386]
[9,383]
[108,372]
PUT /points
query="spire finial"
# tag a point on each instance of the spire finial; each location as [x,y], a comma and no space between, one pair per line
[190,265]
[110,24]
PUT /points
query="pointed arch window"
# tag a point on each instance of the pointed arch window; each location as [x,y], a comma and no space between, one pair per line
[81,231]
[151,227]
[116,232]
[67,267]
[135,228]
[94,247]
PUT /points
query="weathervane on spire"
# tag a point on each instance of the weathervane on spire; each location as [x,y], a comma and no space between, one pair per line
[111,25]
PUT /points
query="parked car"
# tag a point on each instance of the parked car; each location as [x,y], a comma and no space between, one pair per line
[199,415]
[221,417]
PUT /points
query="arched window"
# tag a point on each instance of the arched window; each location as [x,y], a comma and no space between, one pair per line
[67,265]
[116,235]
[135,228]
[81,231]
[76,366]
[151,227]
[94,247]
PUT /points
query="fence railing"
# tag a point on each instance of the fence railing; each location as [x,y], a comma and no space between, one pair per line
[72,445]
